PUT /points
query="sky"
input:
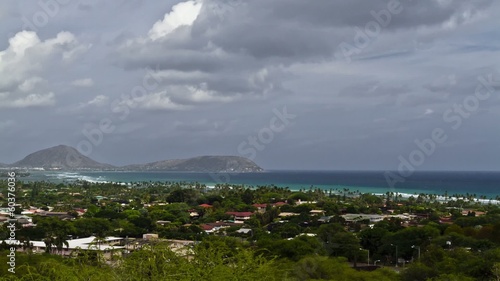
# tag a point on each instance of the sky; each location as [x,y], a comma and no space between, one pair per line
[290,84]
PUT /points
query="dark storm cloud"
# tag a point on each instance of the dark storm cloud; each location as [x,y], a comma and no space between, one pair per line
[301,29]
[217,71]
[358,12]
[176,59]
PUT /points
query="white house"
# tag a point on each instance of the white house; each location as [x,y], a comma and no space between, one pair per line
[107,246]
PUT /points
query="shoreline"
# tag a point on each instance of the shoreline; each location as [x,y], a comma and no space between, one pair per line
[294,181]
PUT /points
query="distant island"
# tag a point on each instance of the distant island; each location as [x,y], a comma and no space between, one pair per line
[64,157]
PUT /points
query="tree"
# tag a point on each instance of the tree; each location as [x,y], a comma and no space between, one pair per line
[293,249]
[327,231]
[418,272]
[286,230]
[56,232]
[372,238]
[496,271]
[185,195]
[324,268]
[211,260]
[99,227]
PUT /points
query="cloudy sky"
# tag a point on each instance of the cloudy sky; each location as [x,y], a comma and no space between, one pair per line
[291,84]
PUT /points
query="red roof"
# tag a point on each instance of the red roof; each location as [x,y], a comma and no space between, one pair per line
[445,220]
[256,205]
[206,206]
[206,227]
[240,214]
[279,203]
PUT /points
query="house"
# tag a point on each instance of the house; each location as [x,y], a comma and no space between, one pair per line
[5,211]
[80,212]
[240,217]
[61,215]
[473,213]
[446,220]
[24,220]
[261,208]
[279,204]
[372,218]
[99,198]
[4,219]
[317,212]
[213,227]
[182,248]
[206,206]
[287,214]
[109,246]
[244,231]
[150,236]
[303,234]
[325,219]
[193,213]
[208,228]
[163,222]
[300,202]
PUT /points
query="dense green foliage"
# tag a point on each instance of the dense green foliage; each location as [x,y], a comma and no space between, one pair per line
[438,243]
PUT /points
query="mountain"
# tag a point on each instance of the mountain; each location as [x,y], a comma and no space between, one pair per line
[67,158]
[211,164]
[60,157]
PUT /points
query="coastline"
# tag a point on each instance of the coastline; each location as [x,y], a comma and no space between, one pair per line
[445,184]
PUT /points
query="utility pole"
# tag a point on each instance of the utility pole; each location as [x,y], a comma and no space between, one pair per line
[418,248]
[396,254]
[397,257]
[368,256]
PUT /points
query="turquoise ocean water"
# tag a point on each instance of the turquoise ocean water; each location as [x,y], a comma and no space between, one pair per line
[485,184]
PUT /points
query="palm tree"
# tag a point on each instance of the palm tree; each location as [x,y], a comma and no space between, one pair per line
[49,242]
[60,241]
[27,245]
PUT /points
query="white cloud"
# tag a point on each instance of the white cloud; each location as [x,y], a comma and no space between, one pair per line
[466,17]
[31,100]
[182,14]
[99,101]
[237,60]
[85,82]
[262,82]
[177,97]
[22,41]
[93,105]
[24,64]
[202,94]
[158,101]
[31,83]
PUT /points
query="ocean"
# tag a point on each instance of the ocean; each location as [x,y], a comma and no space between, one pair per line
[482,184]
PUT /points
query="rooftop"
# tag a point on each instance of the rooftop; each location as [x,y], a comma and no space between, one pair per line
[87,243]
